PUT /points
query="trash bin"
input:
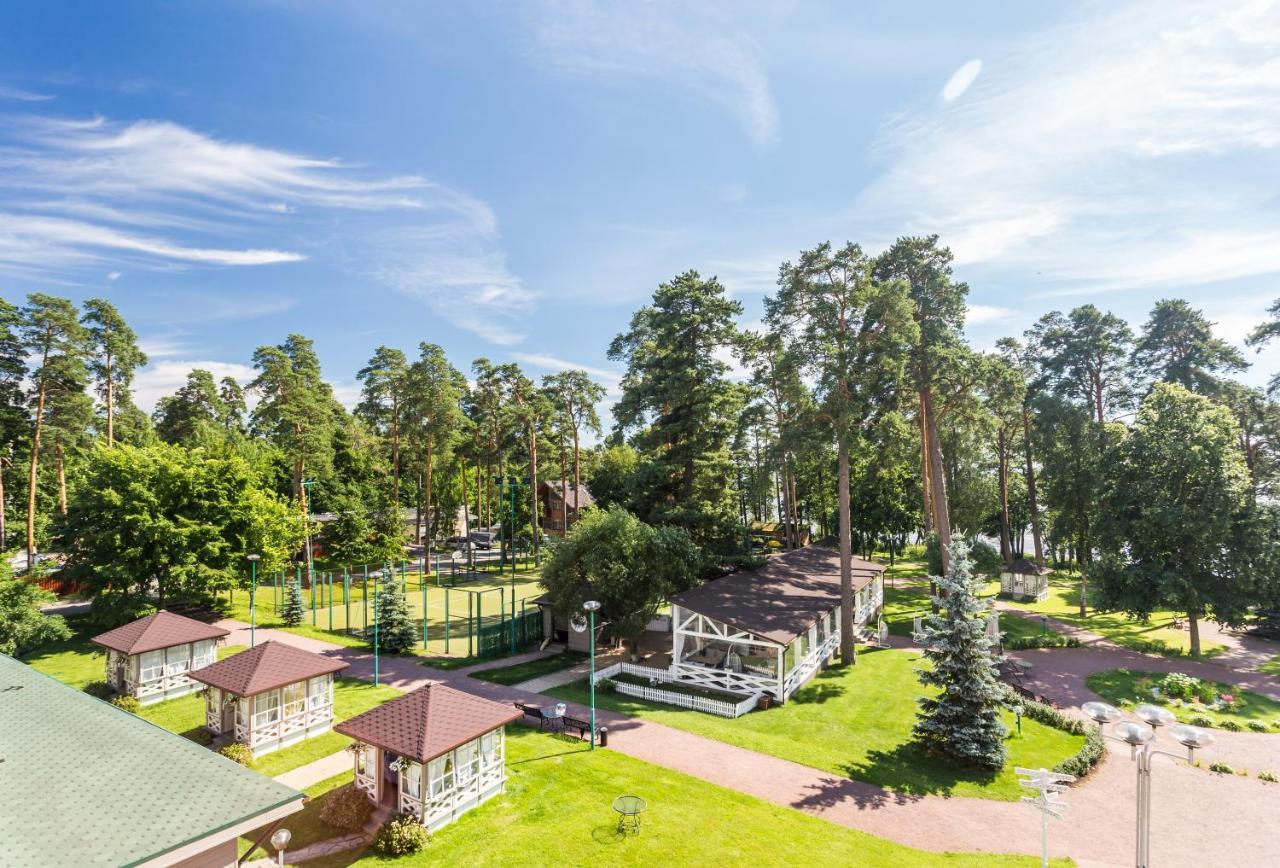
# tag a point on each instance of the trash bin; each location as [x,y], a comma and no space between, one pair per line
[603,733]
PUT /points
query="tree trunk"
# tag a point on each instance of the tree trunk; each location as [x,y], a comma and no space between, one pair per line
[1031,488]
[395,451]
[1006,542]
[564,495]
[924,470]
[466,518]
[534,523]
[848,648]
[1194,623]
[426,493]
[577,477]
[3,535]
[111,404]
[31,476]
[938,482]
[62,480]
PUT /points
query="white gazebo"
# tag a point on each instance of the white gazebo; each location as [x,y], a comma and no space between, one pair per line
[152,658]
[270,696]
[1025,580]
[769,630]
[434,753]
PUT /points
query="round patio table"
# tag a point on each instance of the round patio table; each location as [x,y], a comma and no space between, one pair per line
[629,809]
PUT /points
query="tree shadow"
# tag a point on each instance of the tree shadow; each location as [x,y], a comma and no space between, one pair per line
[827,685]
[914,773]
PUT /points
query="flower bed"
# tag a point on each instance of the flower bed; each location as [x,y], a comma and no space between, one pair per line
[642,682]
[1192,700]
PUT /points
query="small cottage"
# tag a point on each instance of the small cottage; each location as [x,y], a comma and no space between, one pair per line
[270,696]
[434,753]
[558,628]
[562,505]
[151,658]
[1025,580]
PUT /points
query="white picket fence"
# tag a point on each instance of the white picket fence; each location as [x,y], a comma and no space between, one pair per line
[721,708]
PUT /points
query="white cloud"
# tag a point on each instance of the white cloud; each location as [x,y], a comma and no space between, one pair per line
[22,94]
[980,314]
[1126,147]
[165,377]
[696,47]
[960,80]
[610,378]
[113,276]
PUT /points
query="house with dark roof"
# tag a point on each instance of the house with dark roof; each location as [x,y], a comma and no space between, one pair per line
[86,783]
[769,630]
[151,658]
[1022,579]
[433,754]
[562,505]
[271,696]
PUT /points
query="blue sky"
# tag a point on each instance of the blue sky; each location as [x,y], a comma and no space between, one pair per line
[512,180]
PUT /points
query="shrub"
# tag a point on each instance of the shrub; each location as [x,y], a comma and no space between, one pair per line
[1269,777]
[199,735]
[1086,758]
[126,703]
[346,808]
[1046,714]
[100,689]
[1181,685]
[1230,726]
[237,752]
[1221,768]
[1258,726]
[1201,720]
[400,836]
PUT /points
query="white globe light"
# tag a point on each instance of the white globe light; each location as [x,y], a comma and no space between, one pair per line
[579,623]
[280,838]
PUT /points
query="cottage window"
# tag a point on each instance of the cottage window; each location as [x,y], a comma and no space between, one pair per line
[440,775]
[151,665]
[318,692]
[177,659]
[489,749]
[202,654]
[215,702]
[468,762]
[266,708]
[413,780]
[295,700]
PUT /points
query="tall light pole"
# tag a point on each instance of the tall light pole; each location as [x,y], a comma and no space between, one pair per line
[1140,737]
[253,600]
[591,607]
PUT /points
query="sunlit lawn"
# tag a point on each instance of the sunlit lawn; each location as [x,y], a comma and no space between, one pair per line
[1271,667]
[305,827]
[530,668]
[557,811]
[856,721]
[1125,687]
[75,661]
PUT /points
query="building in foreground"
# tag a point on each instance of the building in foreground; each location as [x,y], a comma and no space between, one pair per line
[152,658]
[85,783]
[270,696]
[769,630]
[434,753]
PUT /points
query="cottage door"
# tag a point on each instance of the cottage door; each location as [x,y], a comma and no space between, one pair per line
[120,662]
[229,717]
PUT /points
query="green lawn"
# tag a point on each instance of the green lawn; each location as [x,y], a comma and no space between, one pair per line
[530,668]
[75,661]
[1126,688]
[305,827]
[856,721]
[1271,667]
[350,697]
[556,811]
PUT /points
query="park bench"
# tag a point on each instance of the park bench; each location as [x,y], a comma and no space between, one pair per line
[545,721]
[582,727]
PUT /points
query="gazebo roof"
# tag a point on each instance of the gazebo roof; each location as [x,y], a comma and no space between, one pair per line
[154,632]
[781,599]
[428,722]
[265,667]
[1024,567]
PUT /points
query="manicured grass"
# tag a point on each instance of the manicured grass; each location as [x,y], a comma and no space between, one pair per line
[530,668]
[856,721]
[305,827]
[557,811]
[75,661]
[350,697]
[1126,688]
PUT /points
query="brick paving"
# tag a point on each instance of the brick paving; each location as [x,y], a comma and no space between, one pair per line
[1199,819]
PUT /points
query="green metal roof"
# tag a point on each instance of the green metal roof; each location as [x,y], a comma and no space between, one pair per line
[84,783]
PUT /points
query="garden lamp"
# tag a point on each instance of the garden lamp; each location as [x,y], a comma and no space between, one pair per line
[280,840]
[591,607]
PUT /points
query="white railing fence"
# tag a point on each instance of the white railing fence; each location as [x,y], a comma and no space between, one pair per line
[721,708]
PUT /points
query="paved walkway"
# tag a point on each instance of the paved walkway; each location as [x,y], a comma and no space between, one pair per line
[576,672]
[1200,819]
[319,770]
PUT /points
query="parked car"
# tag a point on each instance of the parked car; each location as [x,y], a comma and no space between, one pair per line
[483,539]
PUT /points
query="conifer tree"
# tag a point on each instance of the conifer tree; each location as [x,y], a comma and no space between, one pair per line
[963,720]
[292,612]
[396,632]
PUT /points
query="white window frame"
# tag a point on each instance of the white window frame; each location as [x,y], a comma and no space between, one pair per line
[203,653]
[177,659]
[298,704]
[318,692]
[269,714]
[155,670]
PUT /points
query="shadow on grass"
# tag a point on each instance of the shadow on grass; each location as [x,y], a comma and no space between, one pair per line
[822,688]
[914,773]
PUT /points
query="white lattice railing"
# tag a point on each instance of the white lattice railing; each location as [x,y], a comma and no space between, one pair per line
[279,729]
[722,708]
[163,684]
[810,664]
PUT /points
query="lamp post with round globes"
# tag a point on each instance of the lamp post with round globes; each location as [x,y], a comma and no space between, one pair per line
[1141,739]
[253,599]
[280,840]
[591,607]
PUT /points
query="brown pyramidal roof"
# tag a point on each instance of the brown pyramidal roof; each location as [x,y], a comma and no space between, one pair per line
[428,722]
[265,667]
[161,630]
[1024,567]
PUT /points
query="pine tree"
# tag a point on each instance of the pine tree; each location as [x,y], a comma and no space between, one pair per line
[292,612]
[396,632]
[963,720]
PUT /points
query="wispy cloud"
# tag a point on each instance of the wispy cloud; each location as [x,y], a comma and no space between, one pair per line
[1126,147]
[700,48]
[20,94]
[166,376]
[980,314]
[609,377]
[960,80]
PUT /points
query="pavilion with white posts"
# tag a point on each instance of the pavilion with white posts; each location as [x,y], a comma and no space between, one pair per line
[1025,580]
[433,754]
[151,658]
[270,696]
[769,630]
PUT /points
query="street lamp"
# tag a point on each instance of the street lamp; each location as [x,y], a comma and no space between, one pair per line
[280,840]
[591,607]
[253,600]
[1141,737]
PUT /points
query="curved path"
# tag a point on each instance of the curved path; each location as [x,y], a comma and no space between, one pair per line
[1200,819]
